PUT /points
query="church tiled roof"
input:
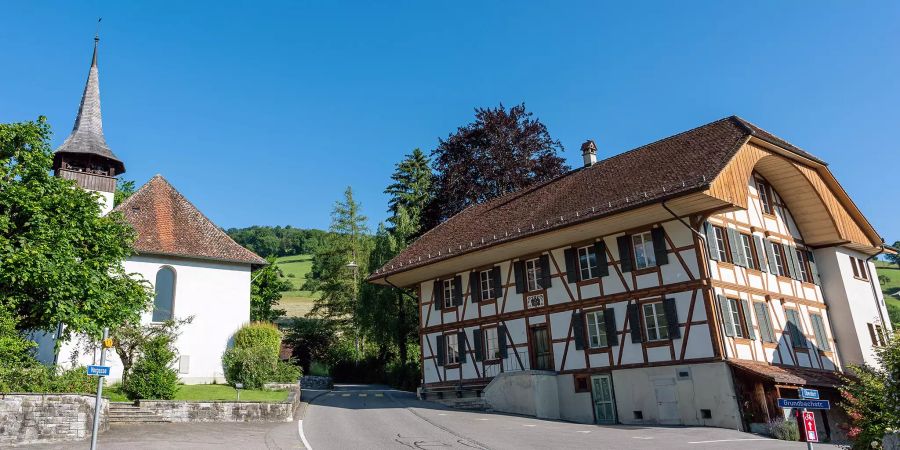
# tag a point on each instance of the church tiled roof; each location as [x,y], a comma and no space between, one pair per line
[168,224]
[677,165]
[87,134]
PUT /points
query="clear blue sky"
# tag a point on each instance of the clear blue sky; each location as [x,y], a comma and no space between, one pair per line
[264,114]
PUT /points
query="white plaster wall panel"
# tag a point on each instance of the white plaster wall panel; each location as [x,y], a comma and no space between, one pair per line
[659,354]
[682,305]
[216,294]
[699,310]
[785,287]
[699,344]
[514,302]
[516,330]
[613,284]
[559,349]
[560,323]
[574,358]
[743,351]
[589,290]
[451,374]
[488,309]
[631,353]
[673,272]
[647,280]
[771,356]
[600,359]
[756,281]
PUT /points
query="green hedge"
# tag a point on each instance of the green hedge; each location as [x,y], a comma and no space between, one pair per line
[263,335]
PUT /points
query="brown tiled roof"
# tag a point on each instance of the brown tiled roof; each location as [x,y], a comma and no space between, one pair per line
[789,375]
[168,224]
[677,165]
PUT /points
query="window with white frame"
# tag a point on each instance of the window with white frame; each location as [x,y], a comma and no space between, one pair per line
[764,197]
[644,256]
[778,250]
[803,264]
[452,348]
[655,323]
[486,284]
[491,344]
[747,243]
[596,325]
[734,305]
[721,248]
[533,274]
[449,291]
[587,262]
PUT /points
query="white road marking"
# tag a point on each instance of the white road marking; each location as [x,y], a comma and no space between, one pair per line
[329,395]
[526,425]
[442,414]
[302,436]
[641,437]
[484,419]
[345,395]
[379,395]
[728,440]
[363,395]
[583,431]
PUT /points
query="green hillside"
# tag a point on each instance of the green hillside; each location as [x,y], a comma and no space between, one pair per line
[296,302]
[890,287]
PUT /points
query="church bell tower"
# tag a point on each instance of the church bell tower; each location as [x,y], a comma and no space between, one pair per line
[84,156]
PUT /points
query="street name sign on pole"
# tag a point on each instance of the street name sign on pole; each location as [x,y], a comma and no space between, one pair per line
[801,403]
[100,371]
[810,394]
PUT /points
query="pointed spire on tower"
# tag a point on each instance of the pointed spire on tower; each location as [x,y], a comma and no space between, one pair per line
[87,135]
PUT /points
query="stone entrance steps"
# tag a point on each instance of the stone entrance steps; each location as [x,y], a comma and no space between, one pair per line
[126,412]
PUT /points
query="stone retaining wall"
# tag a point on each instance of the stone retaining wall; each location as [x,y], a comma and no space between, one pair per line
[314,382]
[226,411]
[28,418]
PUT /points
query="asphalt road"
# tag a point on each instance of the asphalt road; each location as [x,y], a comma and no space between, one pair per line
[368,417]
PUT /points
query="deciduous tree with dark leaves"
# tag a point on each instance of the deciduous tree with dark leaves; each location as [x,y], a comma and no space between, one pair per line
[502,151]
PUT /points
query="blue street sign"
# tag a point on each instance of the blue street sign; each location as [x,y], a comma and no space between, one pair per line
[809,393]
[799,403]
[98,371]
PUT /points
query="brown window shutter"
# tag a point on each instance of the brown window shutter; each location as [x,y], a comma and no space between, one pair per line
[612,333]
[519,272]
[457,290]
[602,261]
[578,330]
[501,341]
[571,265]
[545,271]
[671,308]
[625,259]
[441,350]
[659,246]
[438,295]
[461,341]
[812,267]
[478,343]
[498,282]
[760,253]
[475,286]
[634,319]
[748,318]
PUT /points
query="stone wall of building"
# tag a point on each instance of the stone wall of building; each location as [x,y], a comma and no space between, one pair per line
[226,411]
[28,418]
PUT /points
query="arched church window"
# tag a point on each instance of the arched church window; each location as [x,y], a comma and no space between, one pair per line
[165,295]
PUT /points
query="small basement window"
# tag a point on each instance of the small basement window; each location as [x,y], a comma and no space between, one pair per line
[706,414]
[684,374]
[638,415]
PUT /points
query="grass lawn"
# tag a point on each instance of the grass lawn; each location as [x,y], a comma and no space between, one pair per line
[208,392]
[296,302]
[891,287]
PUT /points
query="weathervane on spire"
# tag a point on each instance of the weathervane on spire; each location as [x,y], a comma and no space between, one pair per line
[97,33]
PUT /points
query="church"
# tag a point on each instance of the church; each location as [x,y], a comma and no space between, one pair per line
[194,267]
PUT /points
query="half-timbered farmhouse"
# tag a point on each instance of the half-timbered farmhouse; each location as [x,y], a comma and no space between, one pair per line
[691,281]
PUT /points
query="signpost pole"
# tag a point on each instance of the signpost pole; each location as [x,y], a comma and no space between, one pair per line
[99,391]
[809,445]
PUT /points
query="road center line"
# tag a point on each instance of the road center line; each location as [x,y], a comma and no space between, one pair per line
[728,440]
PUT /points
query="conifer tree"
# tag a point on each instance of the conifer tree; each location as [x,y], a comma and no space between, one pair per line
[410,190]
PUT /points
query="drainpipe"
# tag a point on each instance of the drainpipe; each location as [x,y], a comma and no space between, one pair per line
[872,279]
[708,265]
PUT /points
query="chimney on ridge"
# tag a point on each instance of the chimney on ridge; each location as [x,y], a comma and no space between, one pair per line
[589,153]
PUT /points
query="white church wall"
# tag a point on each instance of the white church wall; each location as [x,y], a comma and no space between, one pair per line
[216,294]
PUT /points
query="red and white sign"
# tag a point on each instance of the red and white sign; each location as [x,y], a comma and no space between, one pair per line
[809,424]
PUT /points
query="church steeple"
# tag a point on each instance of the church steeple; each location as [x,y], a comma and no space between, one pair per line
[84,155]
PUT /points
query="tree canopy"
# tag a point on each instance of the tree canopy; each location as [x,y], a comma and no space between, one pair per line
[265,292]
[269,241]
[410,190]
[61,260]
[502,151]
